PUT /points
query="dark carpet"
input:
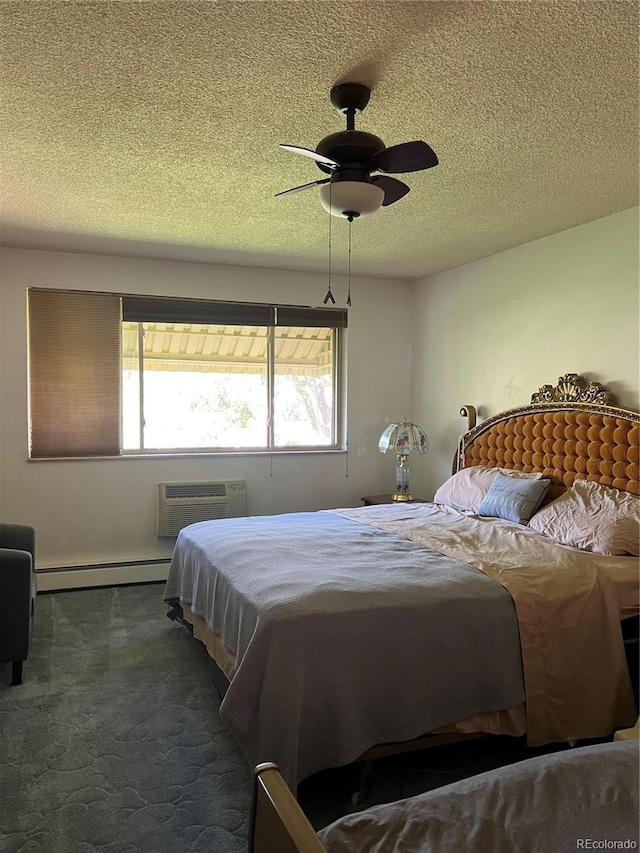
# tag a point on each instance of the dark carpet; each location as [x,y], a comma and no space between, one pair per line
[113,742]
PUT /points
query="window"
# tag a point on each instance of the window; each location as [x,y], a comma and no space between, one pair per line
[152,374]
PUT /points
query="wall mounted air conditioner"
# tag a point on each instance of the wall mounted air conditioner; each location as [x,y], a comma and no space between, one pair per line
[180,504]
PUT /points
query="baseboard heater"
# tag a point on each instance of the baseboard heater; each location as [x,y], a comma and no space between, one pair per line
[54,578]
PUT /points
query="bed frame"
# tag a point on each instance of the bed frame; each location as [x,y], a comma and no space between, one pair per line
[277,823]
[568,431]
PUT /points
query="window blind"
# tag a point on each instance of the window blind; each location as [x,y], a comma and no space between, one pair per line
[74,373]
[75,358]
[161,309]
[294,315]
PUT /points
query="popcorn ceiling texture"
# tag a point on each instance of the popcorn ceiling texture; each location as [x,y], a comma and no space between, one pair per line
[153,127]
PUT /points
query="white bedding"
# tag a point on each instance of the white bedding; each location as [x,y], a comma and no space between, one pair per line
[548,804]
[569,605]
[302,600]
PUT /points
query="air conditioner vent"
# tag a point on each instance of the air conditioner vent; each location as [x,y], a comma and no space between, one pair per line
[195,490]
[181,504]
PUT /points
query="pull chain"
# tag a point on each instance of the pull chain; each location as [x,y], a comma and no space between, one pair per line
[329,296]
[349,268]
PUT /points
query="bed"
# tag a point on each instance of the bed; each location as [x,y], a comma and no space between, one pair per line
[583,798]
[343,632]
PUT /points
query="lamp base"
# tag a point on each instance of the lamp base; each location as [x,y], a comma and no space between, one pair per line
[402,492]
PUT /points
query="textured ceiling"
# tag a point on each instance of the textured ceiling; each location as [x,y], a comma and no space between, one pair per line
[152,128]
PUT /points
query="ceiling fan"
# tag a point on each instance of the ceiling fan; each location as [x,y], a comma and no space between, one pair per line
[352,158]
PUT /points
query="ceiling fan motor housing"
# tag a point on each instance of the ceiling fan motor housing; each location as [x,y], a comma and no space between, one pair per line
[349,148]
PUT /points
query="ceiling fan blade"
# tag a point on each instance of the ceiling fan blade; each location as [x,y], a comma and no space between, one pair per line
[307,152]
[406,157]
[304,187]
[393,189]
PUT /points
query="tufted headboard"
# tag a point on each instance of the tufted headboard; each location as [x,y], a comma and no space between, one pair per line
[569,431]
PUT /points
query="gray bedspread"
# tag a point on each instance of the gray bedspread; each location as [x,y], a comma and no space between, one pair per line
[578,799]
[345,635]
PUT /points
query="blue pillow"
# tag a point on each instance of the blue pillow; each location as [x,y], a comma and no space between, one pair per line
[513,498]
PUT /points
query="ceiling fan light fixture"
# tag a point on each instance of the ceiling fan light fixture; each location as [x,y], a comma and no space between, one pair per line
[351,198]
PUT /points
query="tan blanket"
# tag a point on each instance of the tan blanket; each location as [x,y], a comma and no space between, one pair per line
[568,604]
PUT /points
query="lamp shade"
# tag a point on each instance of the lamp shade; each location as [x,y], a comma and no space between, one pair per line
[403,437]
[358,198]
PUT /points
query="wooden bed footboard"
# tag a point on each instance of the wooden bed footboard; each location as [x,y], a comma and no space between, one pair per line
[277,823]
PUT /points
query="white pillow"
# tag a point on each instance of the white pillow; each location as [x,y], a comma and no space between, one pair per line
[593,518]
[465,490]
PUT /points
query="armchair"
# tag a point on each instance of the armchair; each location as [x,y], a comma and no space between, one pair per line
[17,594]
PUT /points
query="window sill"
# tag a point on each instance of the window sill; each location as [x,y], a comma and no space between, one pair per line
[331,451]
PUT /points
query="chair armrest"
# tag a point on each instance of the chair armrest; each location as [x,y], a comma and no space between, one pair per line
[17,598]
[20,537]
[16,568]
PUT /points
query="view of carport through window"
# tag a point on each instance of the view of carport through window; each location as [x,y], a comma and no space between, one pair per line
[189,386]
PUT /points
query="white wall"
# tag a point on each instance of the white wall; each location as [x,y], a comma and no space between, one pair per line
[492,332]
[489,333]
[89,511]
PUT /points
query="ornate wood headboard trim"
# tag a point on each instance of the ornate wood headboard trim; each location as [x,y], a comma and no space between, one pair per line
[569,431]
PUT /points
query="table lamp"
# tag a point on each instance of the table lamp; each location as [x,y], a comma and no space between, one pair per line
[403,437]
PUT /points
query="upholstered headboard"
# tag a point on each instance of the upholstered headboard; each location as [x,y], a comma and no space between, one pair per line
[569,431]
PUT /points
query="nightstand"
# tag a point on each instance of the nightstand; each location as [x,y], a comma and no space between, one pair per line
[374,500]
